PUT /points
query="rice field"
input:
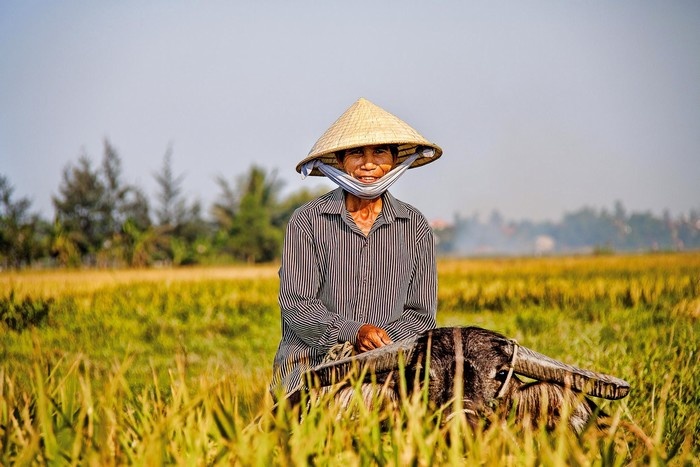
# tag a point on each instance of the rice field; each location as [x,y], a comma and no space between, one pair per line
[171,366]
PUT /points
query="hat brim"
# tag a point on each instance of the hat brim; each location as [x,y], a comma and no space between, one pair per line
[405,150]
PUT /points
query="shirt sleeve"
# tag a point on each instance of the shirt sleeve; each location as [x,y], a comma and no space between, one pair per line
[421,301]
[300,282]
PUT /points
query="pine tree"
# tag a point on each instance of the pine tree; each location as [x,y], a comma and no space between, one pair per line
[81,206]
[171,210]
[244,215]
[179,225]
[18,228]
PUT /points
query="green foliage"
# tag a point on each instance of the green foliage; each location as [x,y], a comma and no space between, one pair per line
[64,246]
[252,218]
[115,191]
[172,209]
[20,314]
[103,221]
[178,224]
[288,205]
[139,246]
[245,216]
[92,207]
[19,230]
[80,206]
[175,371]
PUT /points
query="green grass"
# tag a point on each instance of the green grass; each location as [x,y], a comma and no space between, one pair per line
[172,367]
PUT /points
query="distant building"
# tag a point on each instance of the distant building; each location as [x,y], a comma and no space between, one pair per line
[544,244]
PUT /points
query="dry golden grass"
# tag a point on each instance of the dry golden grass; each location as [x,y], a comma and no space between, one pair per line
[58,282]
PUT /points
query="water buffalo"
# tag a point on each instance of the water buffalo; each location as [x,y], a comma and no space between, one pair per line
[481,365]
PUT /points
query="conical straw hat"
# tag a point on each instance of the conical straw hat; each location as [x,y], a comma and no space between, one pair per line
[366,124]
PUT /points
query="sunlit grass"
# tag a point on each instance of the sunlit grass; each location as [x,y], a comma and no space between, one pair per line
[172,366]
[58,282]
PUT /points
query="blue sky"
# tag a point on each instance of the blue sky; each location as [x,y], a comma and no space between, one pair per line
[541,107]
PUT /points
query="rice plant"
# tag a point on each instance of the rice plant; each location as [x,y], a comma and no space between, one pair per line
[172,366]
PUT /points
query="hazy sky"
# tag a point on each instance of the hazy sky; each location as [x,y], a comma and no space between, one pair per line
[540,107]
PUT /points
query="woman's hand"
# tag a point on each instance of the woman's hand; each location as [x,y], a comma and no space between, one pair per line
[371,337]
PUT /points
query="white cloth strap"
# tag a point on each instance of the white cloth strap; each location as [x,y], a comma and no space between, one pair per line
[356,187]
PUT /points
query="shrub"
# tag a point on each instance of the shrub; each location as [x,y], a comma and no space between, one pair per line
[19,314]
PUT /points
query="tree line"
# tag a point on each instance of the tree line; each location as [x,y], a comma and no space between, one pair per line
[101,220]
[586,230]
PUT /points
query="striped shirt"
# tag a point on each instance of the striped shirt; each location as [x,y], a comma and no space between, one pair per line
[334,279]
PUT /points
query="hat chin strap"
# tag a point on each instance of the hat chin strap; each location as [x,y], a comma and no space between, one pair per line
[356,187]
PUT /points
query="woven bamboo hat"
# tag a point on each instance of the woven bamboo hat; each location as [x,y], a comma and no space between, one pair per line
[363,124]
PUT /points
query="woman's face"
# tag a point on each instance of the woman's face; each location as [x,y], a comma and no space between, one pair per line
[368,163]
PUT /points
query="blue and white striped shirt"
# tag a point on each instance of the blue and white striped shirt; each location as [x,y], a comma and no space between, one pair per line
[334,279]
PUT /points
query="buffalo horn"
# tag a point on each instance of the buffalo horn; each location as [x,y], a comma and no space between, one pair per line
[542,368]
[377,361]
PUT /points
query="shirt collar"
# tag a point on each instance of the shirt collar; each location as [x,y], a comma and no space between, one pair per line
[391,207]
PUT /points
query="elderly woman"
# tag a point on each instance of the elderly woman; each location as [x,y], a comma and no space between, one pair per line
[358,265]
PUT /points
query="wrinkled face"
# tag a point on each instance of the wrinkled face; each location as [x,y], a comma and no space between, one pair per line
[368,163]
